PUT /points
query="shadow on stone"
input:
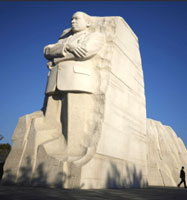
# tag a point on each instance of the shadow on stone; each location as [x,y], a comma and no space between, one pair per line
[129,177]
[25,173]
[25,177]
[133,178]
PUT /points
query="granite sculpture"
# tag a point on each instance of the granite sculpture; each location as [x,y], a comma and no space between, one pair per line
[92,131]
[166,155]
[88,130]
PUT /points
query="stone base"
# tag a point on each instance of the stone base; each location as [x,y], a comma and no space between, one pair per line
[108,172]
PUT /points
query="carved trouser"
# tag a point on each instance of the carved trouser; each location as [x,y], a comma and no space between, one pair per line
[77,117]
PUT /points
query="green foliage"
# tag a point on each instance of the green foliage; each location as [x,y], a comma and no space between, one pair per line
[5,146]
[4,151]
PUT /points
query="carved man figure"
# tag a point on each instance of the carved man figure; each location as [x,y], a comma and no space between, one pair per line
[73,70]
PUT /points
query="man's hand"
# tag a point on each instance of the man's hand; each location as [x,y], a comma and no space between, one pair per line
[79,51]
[70,47]
[50,65]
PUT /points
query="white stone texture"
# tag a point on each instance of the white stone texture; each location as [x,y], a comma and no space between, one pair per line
[122,143]
[102,141]
[166,155]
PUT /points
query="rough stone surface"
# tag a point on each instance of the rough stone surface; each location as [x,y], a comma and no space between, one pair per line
[120,159]
[93,136]
[166,154]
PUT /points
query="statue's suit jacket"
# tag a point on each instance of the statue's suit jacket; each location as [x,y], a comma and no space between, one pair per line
[77,74]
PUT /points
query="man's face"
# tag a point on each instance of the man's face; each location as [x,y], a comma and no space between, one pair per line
[78,22]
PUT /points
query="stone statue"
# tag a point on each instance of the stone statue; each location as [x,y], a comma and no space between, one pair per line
[72,72]
[91,131]
[71,64]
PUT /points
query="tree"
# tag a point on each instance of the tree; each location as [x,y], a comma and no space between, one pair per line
[4,151]
[1,137]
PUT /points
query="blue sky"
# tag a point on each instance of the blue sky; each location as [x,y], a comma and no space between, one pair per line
[26,27]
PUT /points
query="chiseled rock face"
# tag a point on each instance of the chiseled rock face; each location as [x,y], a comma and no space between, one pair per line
[120,159]
[88,138]
[166,154]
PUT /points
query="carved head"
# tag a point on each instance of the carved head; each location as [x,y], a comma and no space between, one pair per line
[80,22]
